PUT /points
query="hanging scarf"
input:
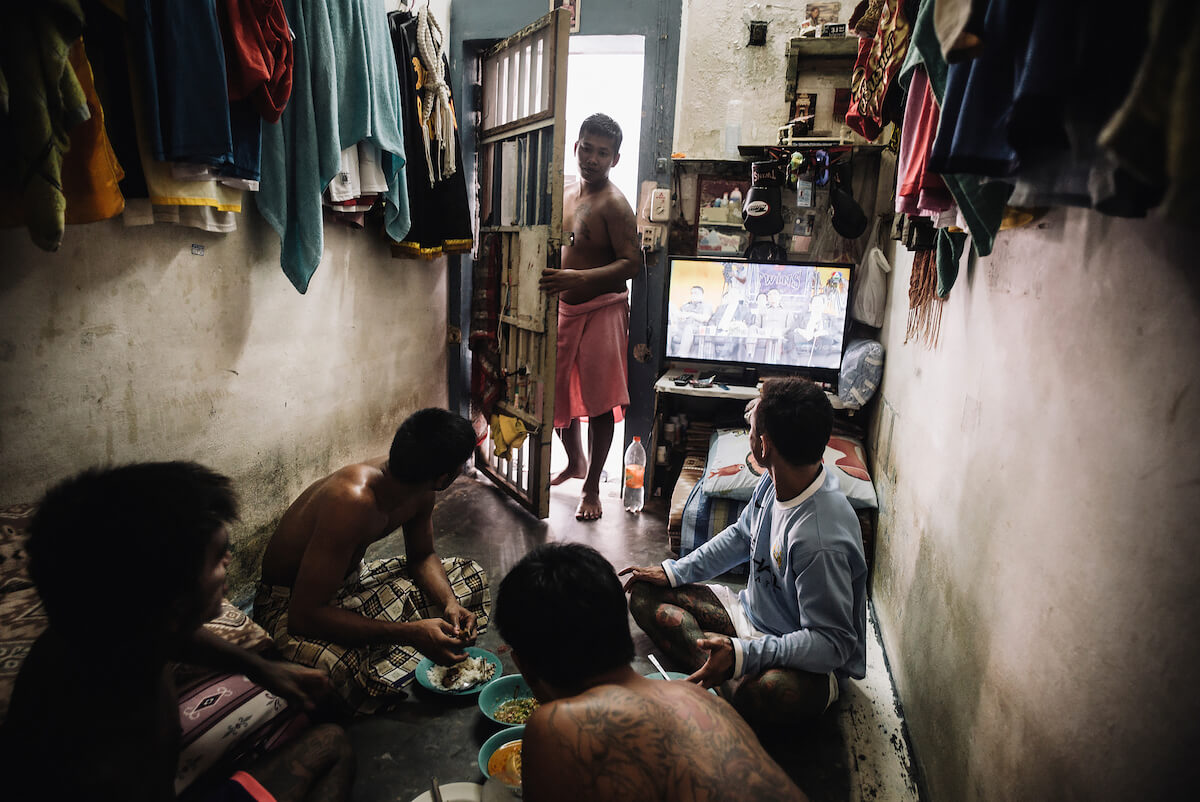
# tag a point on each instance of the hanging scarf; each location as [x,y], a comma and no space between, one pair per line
[924,305]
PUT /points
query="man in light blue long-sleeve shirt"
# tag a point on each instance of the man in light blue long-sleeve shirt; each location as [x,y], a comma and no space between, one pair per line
[800,624]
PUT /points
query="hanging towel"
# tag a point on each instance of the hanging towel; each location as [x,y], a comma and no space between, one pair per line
[45,101]
[344,90]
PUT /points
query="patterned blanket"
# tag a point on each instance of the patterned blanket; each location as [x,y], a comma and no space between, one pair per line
[370,677]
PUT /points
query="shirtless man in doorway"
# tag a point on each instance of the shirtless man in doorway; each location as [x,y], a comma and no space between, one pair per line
[600,254]
[328,608]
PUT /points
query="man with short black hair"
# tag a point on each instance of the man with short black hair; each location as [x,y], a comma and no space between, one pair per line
[600,253]
[800,625]
[94,712]
[325,607]
[603,731]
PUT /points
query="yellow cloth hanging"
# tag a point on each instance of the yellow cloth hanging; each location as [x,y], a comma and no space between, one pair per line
[507,433]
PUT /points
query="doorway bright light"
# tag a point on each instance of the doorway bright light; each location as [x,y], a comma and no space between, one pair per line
[604,74]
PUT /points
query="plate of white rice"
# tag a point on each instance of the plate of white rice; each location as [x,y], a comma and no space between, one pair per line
[460,679]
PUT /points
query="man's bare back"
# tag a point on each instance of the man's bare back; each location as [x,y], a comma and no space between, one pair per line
[357,487]
[647,739]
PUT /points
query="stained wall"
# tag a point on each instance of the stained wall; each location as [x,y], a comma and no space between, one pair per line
[1036,572]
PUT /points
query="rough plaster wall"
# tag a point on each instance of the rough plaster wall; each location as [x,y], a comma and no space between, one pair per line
[1036,569]
[715,65]
[125,346]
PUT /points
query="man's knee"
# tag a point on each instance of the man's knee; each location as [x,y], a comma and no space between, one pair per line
[778,695]
[644,599]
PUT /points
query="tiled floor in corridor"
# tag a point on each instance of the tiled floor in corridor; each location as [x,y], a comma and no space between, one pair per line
[857,752]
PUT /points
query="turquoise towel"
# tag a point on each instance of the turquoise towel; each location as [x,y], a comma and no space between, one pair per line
[345,89]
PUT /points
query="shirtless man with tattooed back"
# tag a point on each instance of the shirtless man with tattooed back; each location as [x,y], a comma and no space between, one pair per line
[603,731]
[600,253]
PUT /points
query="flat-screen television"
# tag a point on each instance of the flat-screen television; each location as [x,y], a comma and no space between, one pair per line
[727,315]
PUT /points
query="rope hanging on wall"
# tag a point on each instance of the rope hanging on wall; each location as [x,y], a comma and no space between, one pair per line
[437,116]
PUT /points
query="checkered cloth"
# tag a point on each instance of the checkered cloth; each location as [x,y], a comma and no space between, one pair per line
[370,677]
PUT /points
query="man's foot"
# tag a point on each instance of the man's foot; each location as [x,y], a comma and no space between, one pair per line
[589,507]
[569,472]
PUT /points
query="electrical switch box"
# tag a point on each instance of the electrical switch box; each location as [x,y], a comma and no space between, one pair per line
[660,205]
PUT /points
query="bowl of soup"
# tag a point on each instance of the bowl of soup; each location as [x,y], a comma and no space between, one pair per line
[500,756]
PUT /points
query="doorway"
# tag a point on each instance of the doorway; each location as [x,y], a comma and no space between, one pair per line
[604,74]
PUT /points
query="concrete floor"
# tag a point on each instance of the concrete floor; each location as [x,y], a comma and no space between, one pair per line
[857,751]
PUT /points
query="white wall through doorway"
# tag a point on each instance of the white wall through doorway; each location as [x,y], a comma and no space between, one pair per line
[604,74]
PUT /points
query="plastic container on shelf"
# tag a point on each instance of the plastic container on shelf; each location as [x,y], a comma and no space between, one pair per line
[635,476]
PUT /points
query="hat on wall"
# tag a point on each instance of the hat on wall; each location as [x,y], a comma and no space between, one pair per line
[849,220]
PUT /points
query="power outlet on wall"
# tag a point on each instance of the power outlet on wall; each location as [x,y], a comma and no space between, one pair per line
[660,205]
[651,236]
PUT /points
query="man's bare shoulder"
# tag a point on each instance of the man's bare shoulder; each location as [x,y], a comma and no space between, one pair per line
[611,200]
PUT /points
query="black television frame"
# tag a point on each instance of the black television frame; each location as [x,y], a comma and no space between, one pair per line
[748,372]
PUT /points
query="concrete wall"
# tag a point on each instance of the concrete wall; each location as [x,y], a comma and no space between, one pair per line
[716,66]
[126,346]
[1036,568]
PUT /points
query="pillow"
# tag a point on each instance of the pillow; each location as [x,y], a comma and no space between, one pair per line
[862,368]
[704,517]
[227,719]
[846,458]
[731,471]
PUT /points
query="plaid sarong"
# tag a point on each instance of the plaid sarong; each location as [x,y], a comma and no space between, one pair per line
[369,677]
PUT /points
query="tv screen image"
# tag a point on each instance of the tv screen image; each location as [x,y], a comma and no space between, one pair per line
[758,314]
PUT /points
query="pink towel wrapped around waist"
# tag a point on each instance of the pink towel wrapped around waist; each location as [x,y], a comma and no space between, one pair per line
[591,373]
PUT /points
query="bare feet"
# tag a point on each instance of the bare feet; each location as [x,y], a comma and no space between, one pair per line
[569,472]
[589,507]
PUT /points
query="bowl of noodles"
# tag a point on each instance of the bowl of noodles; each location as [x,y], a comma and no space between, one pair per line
[507,700]
[500,756]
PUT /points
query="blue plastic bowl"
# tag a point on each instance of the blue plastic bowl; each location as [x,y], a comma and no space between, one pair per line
[501,690]
[495,742]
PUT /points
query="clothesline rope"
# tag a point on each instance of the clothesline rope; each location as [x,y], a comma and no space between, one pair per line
[437,116]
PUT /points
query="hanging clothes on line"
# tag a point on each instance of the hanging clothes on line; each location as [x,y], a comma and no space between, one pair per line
[258,53]
[90,170]
[43,101]
[180,60]
[437,188]
[344,89]
[358,186]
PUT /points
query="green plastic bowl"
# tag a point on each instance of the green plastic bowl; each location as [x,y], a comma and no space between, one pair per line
[495,742]
[502,690]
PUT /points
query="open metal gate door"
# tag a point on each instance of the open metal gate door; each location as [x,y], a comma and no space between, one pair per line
[521,153]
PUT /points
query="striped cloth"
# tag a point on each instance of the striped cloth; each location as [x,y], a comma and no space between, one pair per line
[370,677]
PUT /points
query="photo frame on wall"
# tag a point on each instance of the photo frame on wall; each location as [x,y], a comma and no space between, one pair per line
[573,7]
[719,229]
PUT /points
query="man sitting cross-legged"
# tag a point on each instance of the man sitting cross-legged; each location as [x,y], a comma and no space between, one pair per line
[604,732]
[94,713]
[800,624]
[369,623]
